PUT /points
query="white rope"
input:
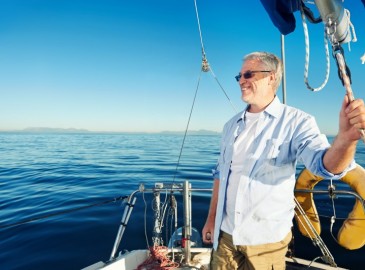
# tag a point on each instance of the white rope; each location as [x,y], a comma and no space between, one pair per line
[354,39]
[145,220]
[351,26]
[306,65]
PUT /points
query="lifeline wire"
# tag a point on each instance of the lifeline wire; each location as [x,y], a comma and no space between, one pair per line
[62,212]
[333,218]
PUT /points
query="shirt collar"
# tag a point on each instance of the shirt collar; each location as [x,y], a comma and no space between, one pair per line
[274,109]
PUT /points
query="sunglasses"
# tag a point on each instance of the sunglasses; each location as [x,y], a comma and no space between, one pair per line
[248,74]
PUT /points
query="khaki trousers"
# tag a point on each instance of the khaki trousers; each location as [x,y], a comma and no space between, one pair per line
[259,257]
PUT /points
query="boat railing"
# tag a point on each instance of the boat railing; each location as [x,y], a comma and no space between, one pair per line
[186,190]
[332,193]
[168,188]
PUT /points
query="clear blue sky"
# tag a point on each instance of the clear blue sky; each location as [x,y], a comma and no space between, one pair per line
[133,65]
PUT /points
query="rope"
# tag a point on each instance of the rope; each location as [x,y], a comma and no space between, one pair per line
[62,212]
[158,260]
[306,65]
[351,26]
[145,219]
[346,80]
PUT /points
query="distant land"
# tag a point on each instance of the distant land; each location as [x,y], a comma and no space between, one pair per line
[53,130]
[75,130]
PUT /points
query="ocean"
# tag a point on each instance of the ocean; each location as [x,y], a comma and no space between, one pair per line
[59,198]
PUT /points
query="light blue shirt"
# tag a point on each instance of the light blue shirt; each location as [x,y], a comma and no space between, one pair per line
[264,207]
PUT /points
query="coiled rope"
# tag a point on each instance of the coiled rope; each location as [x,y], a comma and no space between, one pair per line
[328,34]
[307,52]
[158,260]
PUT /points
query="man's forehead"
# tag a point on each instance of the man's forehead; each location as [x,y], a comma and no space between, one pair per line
[251,63]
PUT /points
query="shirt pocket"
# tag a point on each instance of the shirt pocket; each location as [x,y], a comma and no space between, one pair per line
[226,151]
[277,152]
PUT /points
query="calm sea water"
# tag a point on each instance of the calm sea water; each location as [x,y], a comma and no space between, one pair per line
[44,174]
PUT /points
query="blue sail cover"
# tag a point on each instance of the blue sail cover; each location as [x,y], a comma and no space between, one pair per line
[281,13]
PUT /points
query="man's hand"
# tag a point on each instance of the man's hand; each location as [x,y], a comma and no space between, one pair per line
[352,118]
[208,232]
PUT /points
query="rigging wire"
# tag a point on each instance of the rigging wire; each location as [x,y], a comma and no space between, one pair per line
[225,93]
[204,68]
[205,64]
[316,238]
[25,221]
[200,32]
[186,129]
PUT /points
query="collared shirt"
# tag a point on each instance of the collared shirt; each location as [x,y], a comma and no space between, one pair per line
[264,206]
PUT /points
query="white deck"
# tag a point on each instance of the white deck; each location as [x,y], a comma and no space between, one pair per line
[200,259]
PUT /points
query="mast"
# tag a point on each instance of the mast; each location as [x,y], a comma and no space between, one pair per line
[283,80]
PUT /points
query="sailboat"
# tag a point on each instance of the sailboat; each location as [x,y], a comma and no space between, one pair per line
[184,249]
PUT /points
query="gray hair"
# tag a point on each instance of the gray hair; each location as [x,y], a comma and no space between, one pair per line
[271,62]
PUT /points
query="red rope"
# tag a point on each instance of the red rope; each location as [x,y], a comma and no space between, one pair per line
[158,260]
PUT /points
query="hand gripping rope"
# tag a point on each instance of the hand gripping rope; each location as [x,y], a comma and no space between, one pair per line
[337,30]
[343,70]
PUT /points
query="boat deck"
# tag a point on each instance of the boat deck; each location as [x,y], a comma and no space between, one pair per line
[200,258]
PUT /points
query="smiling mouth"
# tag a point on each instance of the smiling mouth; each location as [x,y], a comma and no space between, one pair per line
[245,88]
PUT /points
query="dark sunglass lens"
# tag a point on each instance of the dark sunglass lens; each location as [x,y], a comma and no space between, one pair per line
[238,77]
[247,75]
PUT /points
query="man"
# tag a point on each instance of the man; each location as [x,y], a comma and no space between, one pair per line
[252,206]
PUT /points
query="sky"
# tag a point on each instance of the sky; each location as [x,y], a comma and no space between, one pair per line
[134,65]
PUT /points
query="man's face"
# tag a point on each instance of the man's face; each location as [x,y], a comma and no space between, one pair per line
[256,90]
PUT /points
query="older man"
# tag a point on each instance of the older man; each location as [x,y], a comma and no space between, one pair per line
[252,207]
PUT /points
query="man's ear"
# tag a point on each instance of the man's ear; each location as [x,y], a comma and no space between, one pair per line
[272,78]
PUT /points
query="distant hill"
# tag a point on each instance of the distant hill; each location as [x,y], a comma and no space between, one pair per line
[54,130]
[76,130]
[193,132]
